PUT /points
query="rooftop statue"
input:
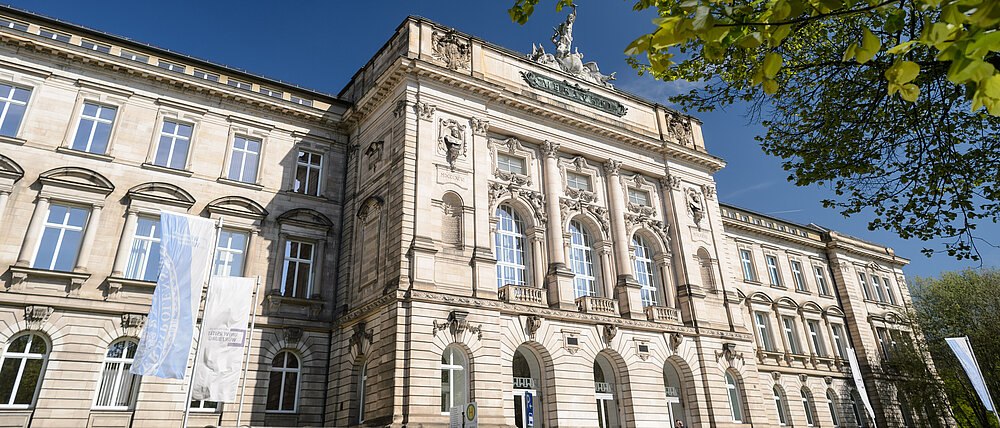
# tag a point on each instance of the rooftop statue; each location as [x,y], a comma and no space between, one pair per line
[567,59]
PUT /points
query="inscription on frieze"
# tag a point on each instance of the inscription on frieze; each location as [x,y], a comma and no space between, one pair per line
[573,92]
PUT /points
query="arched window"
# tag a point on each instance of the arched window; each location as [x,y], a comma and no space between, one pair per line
[808,407]
[509,248]
[605,393]
[283,387]
[453,378]
[581,259]
[735,402]
[527,383]
[674,389]
[779,405]
[859,418]
[362,390]
[644,271]
[21,370]
[118,386]
[833,408]
[707,267]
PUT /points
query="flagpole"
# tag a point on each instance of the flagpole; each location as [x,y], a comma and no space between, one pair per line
[986,387]
[201,331]
[246,362]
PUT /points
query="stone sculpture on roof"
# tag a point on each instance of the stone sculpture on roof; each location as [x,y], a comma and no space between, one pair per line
[567,59]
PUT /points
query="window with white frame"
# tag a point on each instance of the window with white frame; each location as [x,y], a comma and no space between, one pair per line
[800,280]
[779,407]
[888,290]
[772,269]
[21,370]
[764,330]
[577,181]
[864,286]
[308,173]
[511,164]
[832,404]
[643,266]
[303,101]
[581,258]
[270,92]
[229,253]
[206,75]
[509,248]
[118,386]
[59,243]
[144,259]
[94,46]
[13,102]
[204,406]
[167,65]
[859,419]
[244,159]
[239,84]
[788,325]
[735,402]
[807,405]
[53,35]
[362,391]
[838,340]
[94,130]
[283,385]
[296,278]
[453,378]
[172,149]
[20,26]
[816,336]
[134,56]
[821,280]
[883,340]
[746,259]
[638,197]
[877,285]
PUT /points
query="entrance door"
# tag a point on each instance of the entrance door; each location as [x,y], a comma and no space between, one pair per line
[525,403]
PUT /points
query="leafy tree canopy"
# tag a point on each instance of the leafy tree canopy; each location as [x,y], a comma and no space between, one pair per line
[893,103]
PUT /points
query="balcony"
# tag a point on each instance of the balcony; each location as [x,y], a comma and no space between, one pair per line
[597,305]
[523,295]
[662,314]
[524,383]
[603,387]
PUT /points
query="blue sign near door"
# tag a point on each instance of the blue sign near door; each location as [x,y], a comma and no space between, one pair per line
[529,408]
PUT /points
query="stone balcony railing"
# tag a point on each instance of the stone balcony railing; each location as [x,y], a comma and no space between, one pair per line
[662,314]
[523,295]
[597,305]
[524,383]
[603,387]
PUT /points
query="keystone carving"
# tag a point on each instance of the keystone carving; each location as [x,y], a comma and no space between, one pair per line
[292,335]
[610,331]
[132,323]
[36,315]
[531,325]
[362,334]
[458,324]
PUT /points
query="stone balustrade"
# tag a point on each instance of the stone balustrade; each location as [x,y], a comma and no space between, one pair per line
[597,305]
[524,295]
[603,387]
[662,314]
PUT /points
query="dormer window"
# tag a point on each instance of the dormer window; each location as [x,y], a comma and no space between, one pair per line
[638,197]
[577,181]
[511,164]
[53,35]
[134,56]
[95,46]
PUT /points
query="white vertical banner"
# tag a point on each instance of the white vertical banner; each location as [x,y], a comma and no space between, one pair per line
[224,338]
[859,383]
[186,246]
[963,350]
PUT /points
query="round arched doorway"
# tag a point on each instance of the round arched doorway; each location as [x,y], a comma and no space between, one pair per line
[674,390]
[527,387]
[605,392]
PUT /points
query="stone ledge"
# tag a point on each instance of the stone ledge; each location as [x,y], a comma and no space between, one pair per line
[19,275]
[74,152]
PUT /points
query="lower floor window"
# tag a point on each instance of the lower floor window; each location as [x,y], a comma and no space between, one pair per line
[283,388]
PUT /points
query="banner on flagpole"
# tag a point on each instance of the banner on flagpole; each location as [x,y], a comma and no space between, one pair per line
[859,383]
[220,362]
[186,244]
[963,350]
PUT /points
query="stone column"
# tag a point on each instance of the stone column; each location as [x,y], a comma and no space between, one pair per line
[93,223]
[4,195]
[537,257]
[483,261]
[607,273]
[666,273]
[125,245]
[627,291]
[318,262]
[559,279]
[34,231]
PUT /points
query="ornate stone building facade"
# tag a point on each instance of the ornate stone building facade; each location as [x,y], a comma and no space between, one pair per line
[461,223]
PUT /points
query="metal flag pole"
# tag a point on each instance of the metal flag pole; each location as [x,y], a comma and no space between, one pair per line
[985,387]
[246,361]
[201,331]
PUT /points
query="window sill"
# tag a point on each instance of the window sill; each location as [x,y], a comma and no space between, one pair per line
[115,285]
[806,292]
[12,140]
[311,306]
[280,412]
[752,281]
[168,170]
[779,287]
[19,275]
[252,186]
[826,295]
[319,198]
[95,156]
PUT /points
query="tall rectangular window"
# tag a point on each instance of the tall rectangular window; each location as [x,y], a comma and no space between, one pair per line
[13,102]
[578,181]
[94,129]
[772,270]
[60,241]
[817,338]
[888,290]
[229,253]
[877,285]
[800,281]
[296,278]
[838,341]
[308,173]
[821,281]
[243,164]
[864,286]
[793,339]
[747,262]
[172,150]
[883,340]
[512,164]
[144,259]
[763,330]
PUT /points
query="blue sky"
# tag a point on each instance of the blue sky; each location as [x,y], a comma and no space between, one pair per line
[320,44]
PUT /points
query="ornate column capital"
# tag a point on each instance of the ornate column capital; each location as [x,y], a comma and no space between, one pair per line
[424,111]
[480,126]
[671,181]
[549,149]
[612,167]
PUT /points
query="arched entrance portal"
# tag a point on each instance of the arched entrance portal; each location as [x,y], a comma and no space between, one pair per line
[674,389]
[605,393]
[527,387]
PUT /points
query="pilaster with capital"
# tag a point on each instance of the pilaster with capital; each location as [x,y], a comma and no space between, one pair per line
[125,245]
[483,260]
[627,290]
[559,279]
[34,232]
[89,235]
[4,196]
